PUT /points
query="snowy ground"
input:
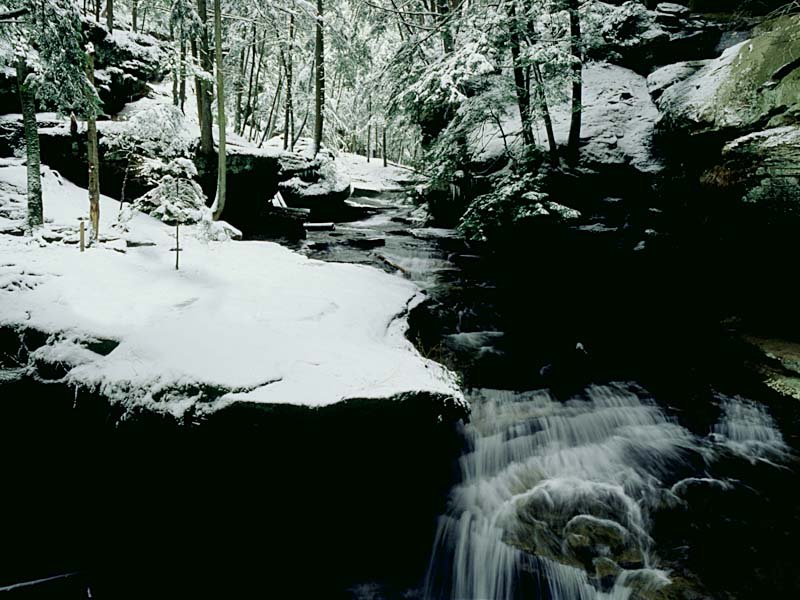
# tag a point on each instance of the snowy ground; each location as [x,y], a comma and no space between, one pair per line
[251,318]
[373,176]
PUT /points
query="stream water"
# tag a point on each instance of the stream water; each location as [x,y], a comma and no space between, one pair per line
[592,487]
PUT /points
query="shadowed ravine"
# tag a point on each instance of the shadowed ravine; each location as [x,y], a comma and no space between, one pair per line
[594,488]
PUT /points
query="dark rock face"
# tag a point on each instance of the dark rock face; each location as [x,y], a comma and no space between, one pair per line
[254,177]
[230,502]
[9,96]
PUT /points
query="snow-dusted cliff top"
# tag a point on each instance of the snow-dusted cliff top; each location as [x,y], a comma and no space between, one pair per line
[253,318]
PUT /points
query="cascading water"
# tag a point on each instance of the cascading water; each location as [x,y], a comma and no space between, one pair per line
[555,498]
[561,500]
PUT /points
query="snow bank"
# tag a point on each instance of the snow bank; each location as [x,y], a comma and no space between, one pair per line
[252,319]
[372,176]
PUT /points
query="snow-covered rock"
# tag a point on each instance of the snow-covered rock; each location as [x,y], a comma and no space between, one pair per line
[767,163]
[671,8]
[632,36]
[618,121]
[251,320]
[753,82]
[372,177]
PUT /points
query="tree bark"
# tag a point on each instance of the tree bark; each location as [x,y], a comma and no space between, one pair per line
[276,100]
[369,140]
[443,8]
[256,103]
[135,14]
[383,145]
[93,158]
[319,64]
[182,72]
[110,15]
[219,201]
[28,102]
[577,81]
[288,133]
[237,116]
[543,107]
[248,102]
[205,92]
[520,83]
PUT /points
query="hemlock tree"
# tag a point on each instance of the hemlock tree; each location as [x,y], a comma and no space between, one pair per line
[49,62]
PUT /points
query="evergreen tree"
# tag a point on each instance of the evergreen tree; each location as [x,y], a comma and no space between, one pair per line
[50,65]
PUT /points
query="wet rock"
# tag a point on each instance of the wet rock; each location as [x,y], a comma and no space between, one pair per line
[367,243]
[777,362]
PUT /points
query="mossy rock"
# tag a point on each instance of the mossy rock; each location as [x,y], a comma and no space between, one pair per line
[742,91]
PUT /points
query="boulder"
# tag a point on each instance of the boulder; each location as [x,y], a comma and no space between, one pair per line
[634,37]
[619,118]
[125,63]
[753,84]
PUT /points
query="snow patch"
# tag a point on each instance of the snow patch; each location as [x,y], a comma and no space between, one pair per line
[253,319]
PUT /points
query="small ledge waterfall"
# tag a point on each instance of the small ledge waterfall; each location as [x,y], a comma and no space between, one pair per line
[556,497]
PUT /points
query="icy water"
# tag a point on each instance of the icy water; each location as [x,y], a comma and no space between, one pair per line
[600,491]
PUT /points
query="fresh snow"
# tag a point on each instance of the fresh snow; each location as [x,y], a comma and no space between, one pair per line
[253,319]
[373,176]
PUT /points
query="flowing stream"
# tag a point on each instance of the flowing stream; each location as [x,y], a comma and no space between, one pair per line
[558,494]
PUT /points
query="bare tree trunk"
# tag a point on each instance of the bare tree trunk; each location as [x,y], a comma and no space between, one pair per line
[255,123]
[182,72]
[110,15]
[97,10]
[520,84]
[175,66]
[219,201]
[369,140]
[270,128]
[135,14]
[93,157]
[577,81]
[319,68]
[248,103]
[28,102]
[383,146]
[237,116]
[205,93]
[548,122]
[289,108]
[443,8]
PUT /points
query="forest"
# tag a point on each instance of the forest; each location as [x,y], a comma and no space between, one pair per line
[399,299]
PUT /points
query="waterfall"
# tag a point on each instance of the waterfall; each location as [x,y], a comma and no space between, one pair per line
[555,497]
